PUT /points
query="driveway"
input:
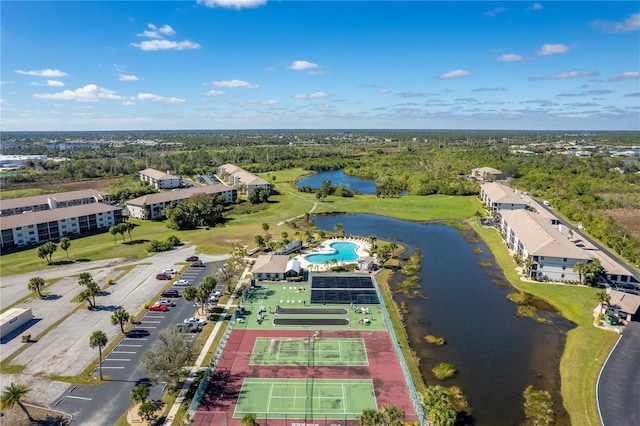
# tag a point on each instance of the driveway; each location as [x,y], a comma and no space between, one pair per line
[618,388]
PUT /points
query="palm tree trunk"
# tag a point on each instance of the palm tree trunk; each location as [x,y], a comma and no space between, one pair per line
[100,365]
[31,420]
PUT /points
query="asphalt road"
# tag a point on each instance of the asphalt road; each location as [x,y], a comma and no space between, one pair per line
[618,389]
[104,404]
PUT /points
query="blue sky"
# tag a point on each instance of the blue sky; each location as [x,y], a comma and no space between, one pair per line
[253,64]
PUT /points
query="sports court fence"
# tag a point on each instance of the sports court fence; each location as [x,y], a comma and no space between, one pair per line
[417,404]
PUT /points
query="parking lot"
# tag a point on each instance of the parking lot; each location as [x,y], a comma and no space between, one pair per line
[63,348]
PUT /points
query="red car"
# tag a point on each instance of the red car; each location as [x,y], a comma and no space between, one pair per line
[163,276]
[158,308]
[192,258]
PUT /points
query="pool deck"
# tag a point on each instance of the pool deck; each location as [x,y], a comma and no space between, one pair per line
[362,250]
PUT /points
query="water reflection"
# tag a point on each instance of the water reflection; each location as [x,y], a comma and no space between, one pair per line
[496,353]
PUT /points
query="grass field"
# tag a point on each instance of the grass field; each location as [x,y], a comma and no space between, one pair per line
[305,399]
[309,351]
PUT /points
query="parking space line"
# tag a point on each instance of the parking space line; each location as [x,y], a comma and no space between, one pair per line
[137,339]
[151,322]
[112,368]
[78,397]
[131,346]
[124,352]
[117,359]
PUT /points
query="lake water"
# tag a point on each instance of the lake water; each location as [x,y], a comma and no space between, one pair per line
[497,354]
[337,177]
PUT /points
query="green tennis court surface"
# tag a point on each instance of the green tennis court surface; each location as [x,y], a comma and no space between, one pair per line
[291,398]
[309,351]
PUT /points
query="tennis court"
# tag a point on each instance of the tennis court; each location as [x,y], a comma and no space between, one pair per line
[309,351]
[305,398]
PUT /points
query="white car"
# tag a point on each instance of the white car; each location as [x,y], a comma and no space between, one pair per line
[170,271]
[216,293]
[182,283]
[166,302]
[195,321]
[212,299]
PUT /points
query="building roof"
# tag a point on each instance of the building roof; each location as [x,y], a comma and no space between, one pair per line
[626,302]
[33,218]
[180,194]
[157,174]
[271,263]
[14,203]
[540,237]
[293,265]
[499,193]
[11,313]
[244,176]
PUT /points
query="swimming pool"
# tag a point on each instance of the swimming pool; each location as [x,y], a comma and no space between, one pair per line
[342,252]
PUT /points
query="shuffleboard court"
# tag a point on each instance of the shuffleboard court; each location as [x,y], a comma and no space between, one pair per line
[310,321]
[309,351]
[311,311]
[305,398]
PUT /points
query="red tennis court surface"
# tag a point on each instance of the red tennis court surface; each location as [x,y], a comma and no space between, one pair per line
[218,403]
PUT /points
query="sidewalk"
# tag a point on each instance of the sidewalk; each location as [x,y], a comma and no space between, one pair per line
[205,350]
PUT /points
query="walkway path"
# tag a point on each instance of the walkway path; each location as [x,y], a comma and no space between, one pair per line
[617,390]
[205,350]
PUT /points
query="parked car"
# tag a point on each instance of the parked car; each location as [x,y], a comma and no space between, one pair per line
[198,263]
[170,271]
[192,258]
[213,299]
[157,307]
[166,302]
[170,293]
[182,283]
[195,321]
[163,276]
[216,293]
[182,326]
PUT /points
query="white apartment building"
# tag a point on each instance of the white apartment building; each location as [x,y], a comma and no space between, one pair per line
[160,180]
[239,177]
[498,197]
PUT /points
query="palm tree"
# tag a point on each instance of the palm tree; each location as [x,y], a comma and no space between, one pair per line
[393,247]
[120,317]
[265,228]
[65,243]
[84,278]
[93,290]
[36,284]
[581,269]
[259,240]
[140,393]
[114,231]
[189,293]
[146,410]
[249,420]
[527,264]
[392,415]
[12,395]
[339,229]
[603,299]
[369,417]
[98,339]
[372,240]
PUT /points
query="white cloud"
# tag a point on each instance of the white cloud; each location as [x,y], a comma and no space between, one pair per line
[509,57]
[128,77]
[151,45]
[157,98]
[632,23]
[232,4]
[215,93]
[88,93]
[155,32]
[50,83]
[44,73]
[535,6]
[495,12]
[629,75]
[551,49]
[302,65]
[455,74]
[315,95]
[234,84]
[566,75]
[128,103]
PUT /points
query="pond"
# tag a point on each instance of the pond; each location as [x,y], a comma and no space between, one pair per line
[337,177]
[496,353]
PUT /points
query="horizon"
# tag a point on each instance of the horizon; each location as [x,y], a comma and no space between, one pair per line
[257,65]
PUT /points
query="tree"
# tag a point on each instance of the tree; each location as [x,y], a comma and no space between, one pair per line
[259,240]
[438,407]
[166,360]
[36,284]
[140,393]
[122,229]
[46,251]
[98,340]
[65,243]
[265,228]
[603,299]
[369,417]
[84,278]
[372,241]
[527,264]
[580,268]
[13,394]
[339,229]
[391,415]
[130,227]
[120,317]
[146,410]
[189,293]
[92,291]
[385,254]
[202,296]
[249,419]
[393,247]
[592,270]
[259,195]
[113,230]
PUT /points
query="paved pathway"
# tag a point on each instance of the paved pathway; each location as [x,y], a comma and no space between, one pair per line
[618,388]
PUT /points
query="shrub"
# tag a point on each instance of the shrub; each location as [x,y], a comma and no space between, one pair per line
[538,407]
[439,341]
[444,371]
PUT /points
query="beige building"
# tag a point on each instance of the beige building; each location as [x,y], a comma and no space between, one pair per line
[243,180]
[498,197]
[38,203]
[275,267]
[160,180]
[486,174]
[150,206]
